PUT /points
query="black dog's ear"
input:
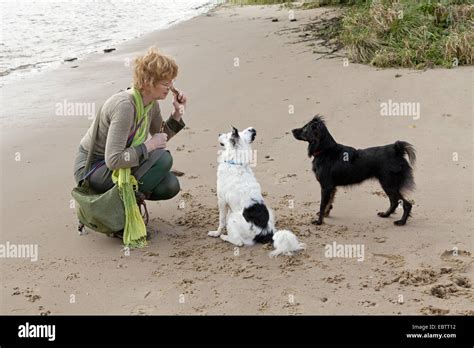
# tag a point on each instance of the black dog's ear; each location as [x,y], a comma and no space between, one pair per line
[315,125]
[314,134]
[318,118]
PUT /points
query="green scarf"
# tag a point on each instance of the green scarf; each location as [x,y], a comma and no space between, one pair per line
[134,235]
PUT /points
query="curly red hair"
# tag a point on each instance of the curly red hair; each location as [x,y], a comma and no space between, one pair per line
[153,67]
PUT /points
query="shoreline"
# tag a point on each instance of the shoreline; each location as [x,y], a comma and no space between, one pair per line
[116,45]
[274,75]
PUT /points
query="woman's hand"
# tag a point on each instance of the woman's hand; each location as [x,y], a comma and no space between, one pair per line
[179,104]
[157,141]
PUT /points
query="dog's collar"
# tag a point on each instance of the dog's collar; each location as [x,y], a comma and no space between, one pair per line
[317,153]
[234,163]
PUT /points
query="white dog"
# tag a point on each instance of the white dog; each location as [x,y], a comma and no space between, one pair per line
[241,206]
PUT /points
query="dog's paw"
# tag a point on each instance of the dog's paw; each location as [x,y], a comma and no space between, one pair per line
[316,222]
[214,234]
[399,222]
[226,238]
[382,214]
[327,211]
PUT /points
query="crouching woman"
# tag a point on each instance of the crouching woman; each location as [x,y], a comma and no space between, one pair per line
[146,160]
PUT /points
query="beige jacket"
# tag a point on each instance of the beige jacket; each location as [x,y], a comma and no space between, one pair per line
[116,122]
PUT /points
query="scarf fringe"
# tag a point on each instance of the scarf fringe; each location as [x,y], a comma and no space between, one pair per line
[134,234]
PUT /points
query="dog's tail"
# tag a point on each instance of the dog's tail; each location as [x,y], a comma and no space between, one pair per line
[405,178]
[402,148]
[286,243]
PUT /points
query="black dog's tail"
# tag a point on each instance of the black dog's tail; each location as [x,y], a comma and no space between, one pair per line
[402,148]
[406,181]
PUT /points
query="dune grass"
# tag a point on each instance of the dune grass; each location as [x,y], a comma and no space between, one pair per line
[308,4]
[414,34]
[257,2]
[399,33]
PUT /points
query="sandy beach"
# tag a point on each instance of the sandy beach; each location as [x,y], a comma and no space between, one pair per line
[240,68]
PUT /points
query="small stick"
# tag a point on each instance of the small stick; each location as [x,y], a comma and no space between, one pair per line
[176,93]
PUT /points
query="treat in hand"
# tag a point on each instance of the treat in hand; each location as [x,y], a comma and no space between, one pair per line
[177,93]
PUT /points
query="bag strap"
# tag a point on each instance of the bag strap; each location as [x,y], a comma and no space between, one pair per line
[93,139]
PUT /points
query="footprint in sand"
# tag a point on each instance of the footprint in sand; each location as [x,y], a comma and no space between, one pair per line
[461,281]
[336,279]
[28,293]
[461,258]
[262,306]
[285,178]
[43,311]
[71,276]
[444,290]
[380,239]
[392,260]
[367,303]
[418,277]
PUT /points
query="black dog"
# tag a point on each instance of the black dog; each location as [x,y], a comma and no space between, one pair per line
[339,165]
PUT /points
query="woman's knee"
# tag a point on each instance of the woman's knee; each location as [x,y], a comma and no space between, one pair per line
[165,161]
[166,189]
[172,185]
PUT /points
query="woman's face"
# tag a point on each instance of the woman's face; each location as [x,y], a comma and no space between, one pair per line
[161,89]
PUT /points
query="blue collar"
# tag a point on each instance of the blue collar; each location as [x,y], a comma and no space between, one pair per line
[232,162]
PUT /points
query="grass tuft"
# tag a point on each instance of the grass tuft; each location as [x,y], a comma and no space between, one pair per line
[395,33]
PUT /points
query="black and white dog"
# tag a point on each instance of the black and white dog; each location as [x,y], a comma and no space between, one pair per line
[339,165]
[241,207]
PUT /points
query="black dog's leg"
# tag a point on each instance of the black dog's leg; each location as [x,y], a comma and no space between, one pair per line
[406,212]
[329,205]
[394,197]
[325,199]
[331,201]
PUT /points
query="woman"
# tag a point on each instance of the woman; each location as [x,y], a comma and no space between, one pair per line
[148,160]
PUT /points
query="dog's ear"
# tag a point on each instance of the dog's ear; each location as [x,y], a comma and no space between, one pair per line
[234,136]
[317,123]
[317,127]
[314,135]
[235,132]
[254,134]
[318,118]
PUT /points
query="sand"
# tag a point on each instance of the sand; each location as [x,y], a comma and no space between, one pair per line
[422,268]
